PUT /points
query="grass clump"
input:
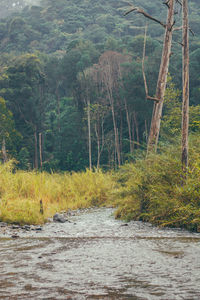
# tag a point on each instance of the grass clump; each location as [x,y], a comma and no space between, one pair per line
[152,189]
[21,193]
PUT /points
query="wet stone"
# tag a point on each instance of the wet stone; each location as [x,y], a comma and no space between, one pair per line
[15,236]
[15,226]
[38,228]
[2,224]
[59,218]
[26,227]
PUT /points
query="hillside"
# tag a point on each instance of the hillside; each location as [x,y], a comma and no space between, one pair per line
[52,91]
[52,25]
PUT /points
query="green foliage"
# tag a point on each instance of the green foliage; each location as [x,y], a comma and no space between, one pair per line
[6,120]
[152,189]
[45,47]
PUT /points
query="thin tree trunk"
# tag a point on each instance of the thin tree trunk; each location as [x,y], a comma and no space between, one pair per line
[129,125]
[58,107]
[36,150]
[146,130]
[98,145]
[121,137]
[185,78]
[4,153]
[40,147]
[136,129]
[89,134]
[116,134]
[133,133]
[162,80]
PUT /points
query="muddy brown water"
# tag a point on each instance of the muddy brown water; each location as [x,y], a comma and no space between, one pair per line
[98,257]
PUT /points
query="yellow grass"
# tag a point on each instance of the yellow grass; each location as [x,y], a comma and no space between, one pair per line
[21,193]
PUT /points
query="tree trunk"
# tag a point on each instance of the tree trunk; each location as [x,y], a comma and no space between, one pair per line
[36,150]
[40,147]
[185,78]
[136,129]
[133,132]
[162,80]
[117,150]
[4,153]
[58,107]
[89,133]
[129,125]
[98,145]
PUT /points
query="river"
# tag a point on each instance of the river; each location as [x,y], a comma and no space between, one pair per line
[97,257]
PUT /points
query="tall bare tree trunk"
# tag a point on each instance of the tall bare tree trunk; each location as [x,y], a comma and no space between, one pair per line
[115,132]
[98,146]
[162,80]
[36,150]
[40,147]
[133,132]
[185,78]
[136,129]
[4,153]
[129,125]
[89,133]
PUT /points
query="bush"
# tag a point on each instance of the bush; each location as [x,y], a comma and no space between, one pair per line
[153,189]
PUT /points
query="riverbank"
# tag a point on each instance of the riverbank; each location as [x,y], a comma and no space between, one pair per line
[151,190]
[155,190]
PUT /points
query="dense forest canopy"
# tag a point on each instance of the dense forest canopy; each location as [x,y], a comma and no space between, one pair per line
[71,78]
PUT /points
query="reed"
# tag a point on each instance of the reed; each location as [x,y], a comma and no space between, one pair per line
[22,192]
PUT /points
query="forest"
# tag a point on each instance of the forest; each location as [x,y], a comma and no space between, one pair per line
[72,97]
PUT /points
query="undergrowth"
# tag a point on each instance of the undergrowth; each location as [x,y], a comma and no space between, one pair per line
[151,189]
[22,192]
[154,189]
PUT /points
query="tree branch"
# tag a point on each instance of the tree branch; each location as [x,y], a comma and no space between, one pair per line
[146,15]
[181,27]
[179,2]
[143,60]
[152,99]
[166,3]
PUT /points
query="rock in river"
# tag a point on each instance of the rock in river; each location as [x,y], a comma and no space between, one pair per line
[59,218]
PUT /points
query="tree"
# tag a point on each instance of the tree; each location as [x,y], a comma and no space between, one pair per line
[162,77]
[185,78]
[86,78]
[110,76]
[23,88]
[6,127]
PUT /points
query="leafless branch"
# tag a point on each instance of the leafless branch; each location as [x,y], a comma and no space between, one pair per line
[146,15]
[179,2]
[166,3]
[192,32]
[181,27]
[143,60]
[177,28]
[153,99]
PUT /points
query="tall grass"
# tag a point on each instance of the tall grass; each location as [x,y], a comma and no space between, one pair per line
[21,193]
[153,189]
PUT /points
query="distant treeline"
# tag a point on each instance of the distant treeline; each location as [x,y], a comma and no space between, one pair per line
[71,82]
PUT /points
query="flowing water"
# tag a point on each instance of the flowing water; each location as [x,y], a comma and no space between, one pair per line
[98,257]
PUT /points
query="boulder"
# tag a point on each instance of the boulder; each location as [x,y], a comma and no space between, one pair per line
[59,218]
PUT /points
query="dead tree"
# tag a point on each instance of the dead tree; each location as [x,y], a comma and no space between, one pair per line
[85,79]
[110,65]
[162,77]
[185,78]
